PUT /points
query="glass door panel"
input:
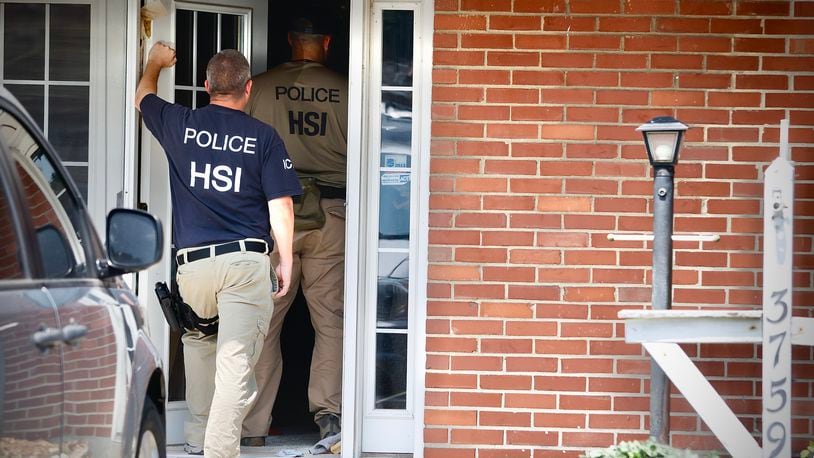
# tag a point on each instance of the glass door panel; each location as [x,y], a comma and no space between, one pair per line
[395,182]
[199,35]
[388,421]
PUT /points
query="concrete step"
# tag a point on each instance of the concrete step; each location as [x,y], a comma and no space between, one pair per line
[274,446]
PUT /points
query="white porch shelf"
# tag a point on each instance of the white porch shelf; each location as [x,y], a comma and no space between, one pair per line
[648,237]
[713,326]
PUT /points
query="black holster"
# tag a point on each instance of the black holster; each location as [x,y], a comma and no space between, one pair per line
[179,314]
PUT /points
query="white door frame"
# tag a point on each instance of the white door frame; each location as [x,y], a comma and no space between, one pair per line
[357,248]
[351,372]
[155,191]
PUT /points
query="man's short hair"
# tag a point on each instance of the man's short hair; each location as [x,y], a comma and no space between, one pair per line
[308,31]
[307,25]
[228,72]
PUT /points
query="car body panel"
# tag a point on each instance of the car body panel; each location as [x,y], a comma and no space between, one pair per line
[92,389]
[31,399]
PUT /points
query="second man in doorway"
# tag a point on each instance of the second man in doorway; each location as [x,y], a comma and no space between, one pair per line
[307,103]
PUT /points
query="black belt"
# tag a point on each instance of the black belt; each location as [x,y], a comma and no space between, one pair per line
[330,192]
[231,247]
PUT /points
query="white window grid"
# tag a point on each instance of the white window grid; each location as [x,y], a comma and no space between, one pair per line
[46,82]
[376,78]
[242,41]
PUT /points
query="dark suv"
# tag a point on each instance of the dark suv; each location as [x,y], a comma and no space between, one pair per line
[78,374]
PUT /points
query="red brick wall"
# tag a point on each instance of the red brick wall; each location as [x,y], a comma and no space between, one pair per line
[535,160]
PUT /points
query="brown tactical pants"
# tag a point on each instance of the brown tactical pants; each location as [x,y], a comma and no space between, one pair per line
[319,266]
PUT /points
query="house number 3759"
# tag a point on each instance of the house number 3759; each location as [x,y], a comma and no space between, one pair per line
[776,433]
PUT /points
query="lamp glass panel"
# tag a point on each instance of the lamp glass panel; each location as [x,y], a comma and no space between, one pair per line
[662,146]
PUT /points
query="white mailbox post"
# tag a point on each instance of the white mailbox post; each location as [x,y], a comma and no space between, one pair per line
[778,214]
[661,331]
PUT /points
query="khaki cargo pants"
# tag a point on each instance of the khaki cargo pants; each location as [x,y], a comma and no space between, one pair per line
[319,265]
[220,386]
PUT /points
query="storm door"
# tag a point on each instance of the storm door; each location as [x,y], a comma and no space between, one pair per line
[200,32]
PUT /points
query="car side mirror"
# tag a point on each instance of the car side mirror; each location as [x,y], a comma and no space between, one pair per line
[134,239]
[57,259]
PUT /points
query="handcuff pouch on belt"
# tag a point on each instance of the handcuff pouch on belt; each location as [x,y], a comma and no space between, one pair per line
[308,212]
[179,314]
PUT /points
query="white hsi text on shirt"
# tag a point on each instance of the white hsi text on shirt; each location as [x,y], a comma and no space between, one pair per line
[220,177]
[220,142]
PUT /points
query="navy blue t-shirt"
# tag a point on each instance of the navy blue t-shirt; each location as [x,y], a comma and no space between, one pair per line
[224,168]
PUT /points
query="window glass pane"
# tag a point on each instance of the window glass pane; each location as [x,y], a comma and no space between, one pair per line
[24,41]
[207,44]
[183,97]
[397,128]
[397,48]
[31,97]
[393,290]
[69,47]
[391,371]
[68,121]
[183,48]
[51,223]
[54,212]
[9,261]
[79,174]
[229,31]
[394,210]
[201,99]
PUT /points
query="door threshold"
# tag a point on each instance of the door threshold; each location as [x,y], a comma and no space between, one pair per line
[274,445]
[386,455]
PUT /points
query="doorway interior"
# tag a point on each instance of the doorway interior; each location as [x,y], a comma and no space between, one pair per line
[202,33]
[290,415]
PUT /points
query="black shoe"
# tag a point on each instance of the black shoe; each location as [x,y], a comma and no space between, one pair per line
[329,425]
[256,441]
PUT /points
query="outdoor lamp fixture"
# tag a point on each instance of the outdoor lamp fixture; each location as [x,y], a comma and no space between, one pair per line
[662,139]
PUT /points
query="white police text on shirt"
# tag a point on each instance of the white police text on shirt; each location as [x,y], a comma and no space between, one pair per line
[220,177]
[221,142]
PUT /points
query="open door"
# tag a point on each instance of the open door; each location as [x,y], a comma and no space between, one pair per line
[200,29]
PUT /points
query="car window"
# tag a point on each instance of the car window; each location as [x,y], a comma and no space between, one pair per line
[10,267]
[54,211]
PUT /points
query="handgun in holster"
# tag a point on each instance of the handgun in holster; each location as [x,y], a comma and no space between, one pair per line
[179,314]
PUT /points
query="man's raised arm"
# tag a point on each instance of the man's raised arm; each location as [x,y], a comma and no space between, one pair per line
[161,56]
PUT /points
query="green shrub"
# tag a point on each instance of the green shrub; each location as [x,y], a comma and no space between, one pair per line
[646,449]
[809,451]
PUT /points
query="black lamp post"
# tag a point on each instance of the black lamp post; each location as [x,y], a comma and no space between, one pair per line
[662,139]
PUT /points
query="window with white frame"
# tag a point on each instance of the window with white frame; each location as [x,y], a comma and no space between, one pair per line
[199,35]
[395,170]
[393,231]
[46,64]
[395,190]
